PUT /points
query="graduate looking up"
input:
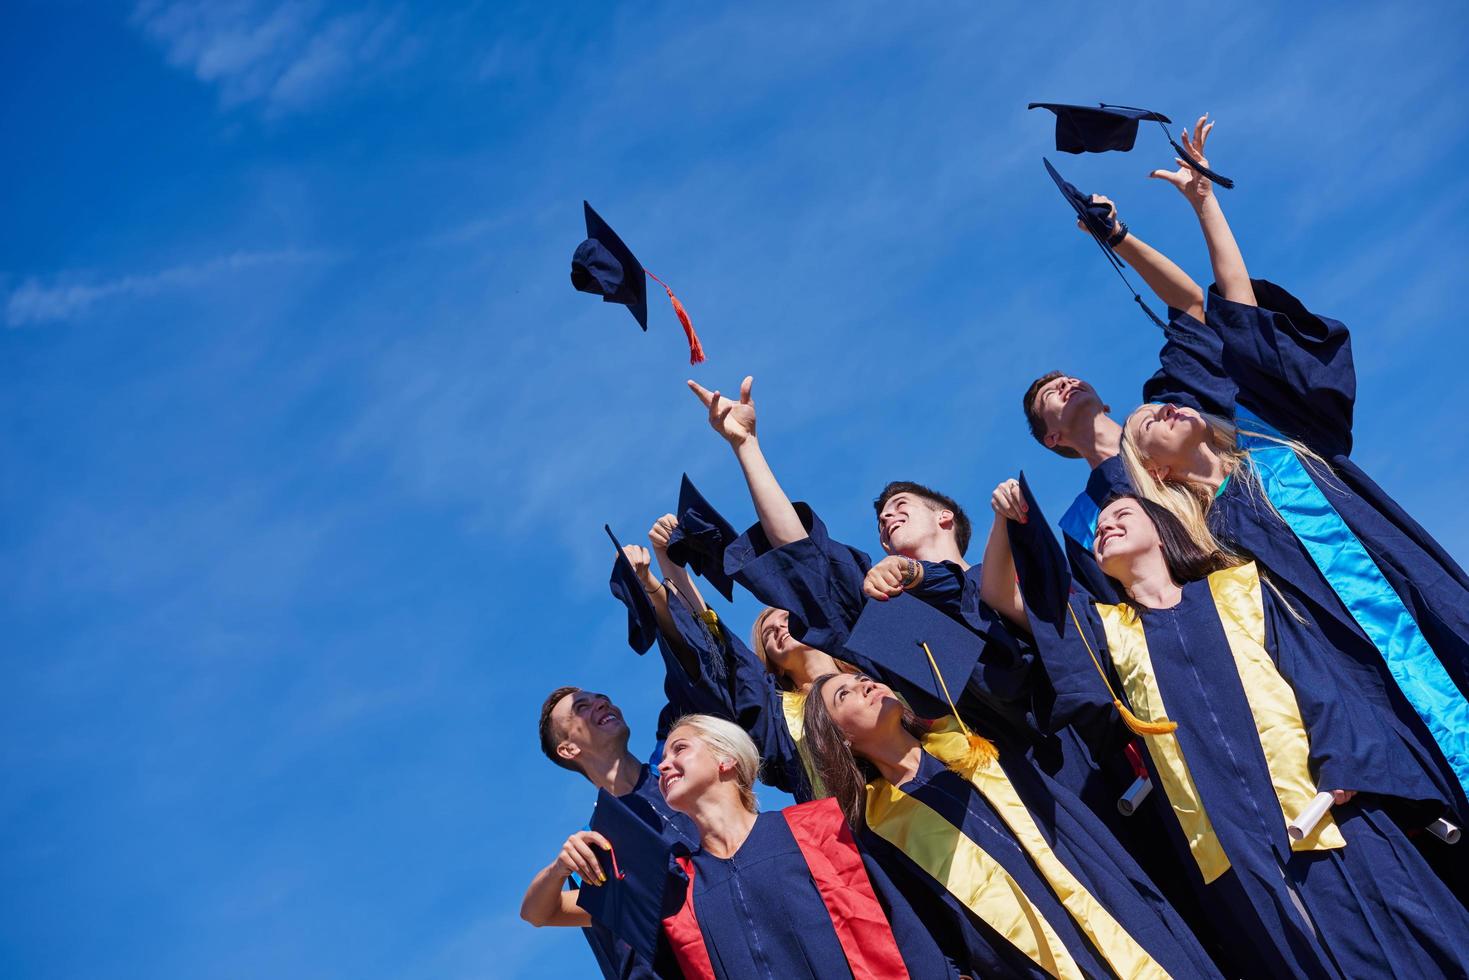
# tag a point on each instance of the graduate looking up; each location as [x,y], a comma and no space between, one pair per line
[1245,717]
[1013,876]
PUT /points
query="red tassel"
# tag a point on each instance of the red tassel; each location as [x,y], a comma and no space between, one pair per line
[696,349]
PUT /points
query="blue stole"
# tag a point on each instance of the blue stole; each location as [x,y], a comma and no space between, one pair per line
[1372,601]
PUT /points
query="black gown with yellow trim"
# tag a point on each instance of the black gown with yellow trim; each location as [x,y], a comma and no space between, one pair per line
[1265,719]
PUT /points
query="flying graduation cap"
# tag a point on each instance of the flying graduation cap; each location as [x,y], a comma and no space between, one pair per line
[1088,129]
[604,266]
[699,540]
[1098,221]
[644,885]
[642,625]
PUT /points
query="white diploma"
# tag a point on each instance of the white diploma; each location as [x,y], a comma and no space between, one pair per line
[1444,831]
[1306,821]
[1128,802]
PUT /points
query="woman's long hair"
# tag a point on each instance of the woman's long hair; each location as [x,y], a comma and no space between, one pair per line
[1190,503]
[1186,559]
[844,773]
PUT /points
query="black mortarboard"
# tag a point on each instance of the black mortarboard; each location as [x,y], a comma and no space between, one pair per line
[642,624]
[888,639]
[604,266]
[1103,127]
[644,885]
[700,538]
[1094,217]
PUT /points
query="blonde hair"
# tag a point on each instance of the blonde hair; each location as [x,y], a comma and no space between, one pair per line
[1191,502]
[729,743]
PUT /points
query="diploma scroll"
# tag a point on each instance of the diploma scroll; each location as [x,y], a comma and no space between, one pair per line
[1129,801]
[1444,831]
[1306,821]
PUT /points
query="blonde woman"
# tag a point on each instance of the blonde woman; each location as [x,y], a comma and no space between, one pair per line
[779,894]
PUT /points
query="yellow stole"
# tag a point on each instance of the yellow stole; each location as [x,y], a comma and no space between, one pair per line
[980,883]
[1236,593]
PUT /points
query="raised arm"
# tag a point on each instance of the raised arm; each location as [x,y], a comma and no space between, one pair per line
[1231,277]
[997,584]
[658,592]
[675,576]
[735,421]
[1168,282]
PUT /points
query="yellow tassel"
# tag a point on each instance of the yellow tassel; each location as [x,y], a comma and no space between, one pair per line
[1134,724]
[1140,727]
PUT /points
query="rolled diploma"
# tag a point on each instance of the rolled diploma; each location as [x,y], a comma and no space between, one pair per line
[1307,819]
[1444,831]
[1128,802]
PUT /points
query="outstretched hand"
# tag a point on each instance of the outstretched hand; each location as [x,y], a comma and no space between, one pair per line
[1194,186]
[735,421]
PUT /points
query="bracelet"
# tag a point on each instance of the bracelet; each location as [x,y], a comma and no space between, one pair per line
[910,576]
[655,591]
[1118,235]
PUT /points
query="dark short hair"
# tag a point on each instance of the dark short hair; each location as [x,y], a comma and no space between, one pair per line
[1033,417]
[549,738]
[939,501]
[1186,561]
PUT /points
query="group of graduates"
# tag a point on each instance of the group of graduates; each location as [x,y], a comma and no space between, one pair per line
[1218,728]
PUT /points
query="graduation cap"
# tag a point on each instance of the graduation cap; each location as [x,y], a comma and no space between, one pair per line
[700,538]
[1097,129]
[926,653]
[642,624]
[644,885]
[1096,217]
[604,266]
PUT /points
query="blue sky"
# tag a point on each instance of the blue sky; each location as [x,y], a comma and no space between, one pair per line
[308,441]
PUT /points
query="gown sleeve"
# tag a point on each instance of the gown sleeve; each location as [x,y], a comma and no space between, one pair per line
[1357,741]
[817,580]
[1294,368]
[1191,369]
[1067,636]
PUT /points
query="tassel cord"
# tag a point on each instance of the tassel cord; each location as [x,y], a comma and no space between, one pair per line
[1135,724]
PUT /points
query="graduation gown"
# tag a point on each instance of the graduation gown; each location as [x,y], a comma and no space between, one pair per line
[1022,878]
[1265,718]
[799,899]
[1301,522]
[1353,552]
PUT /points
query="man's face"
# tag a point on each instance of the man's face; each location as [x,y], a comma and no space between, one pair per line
[1062,402]
[908,522]
[588,721]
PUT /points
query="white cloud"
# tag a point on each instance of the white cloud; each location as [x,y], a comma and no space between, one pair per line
[34,301]
[282,57]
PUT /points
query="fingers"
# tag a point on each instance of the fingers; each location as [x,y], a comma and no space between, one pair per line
[583,859]
[598,839]
[745,386]
[884,580]
[637,556]
[705,395]
[1009,502]
[1340,796]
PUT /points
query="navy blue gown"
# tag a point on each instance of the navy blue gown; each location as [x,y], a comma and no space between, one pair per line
[1353,900]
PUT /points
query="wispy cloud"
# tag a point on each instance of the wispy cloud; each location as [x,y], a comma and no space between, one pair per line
[71,295]
[281,57]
